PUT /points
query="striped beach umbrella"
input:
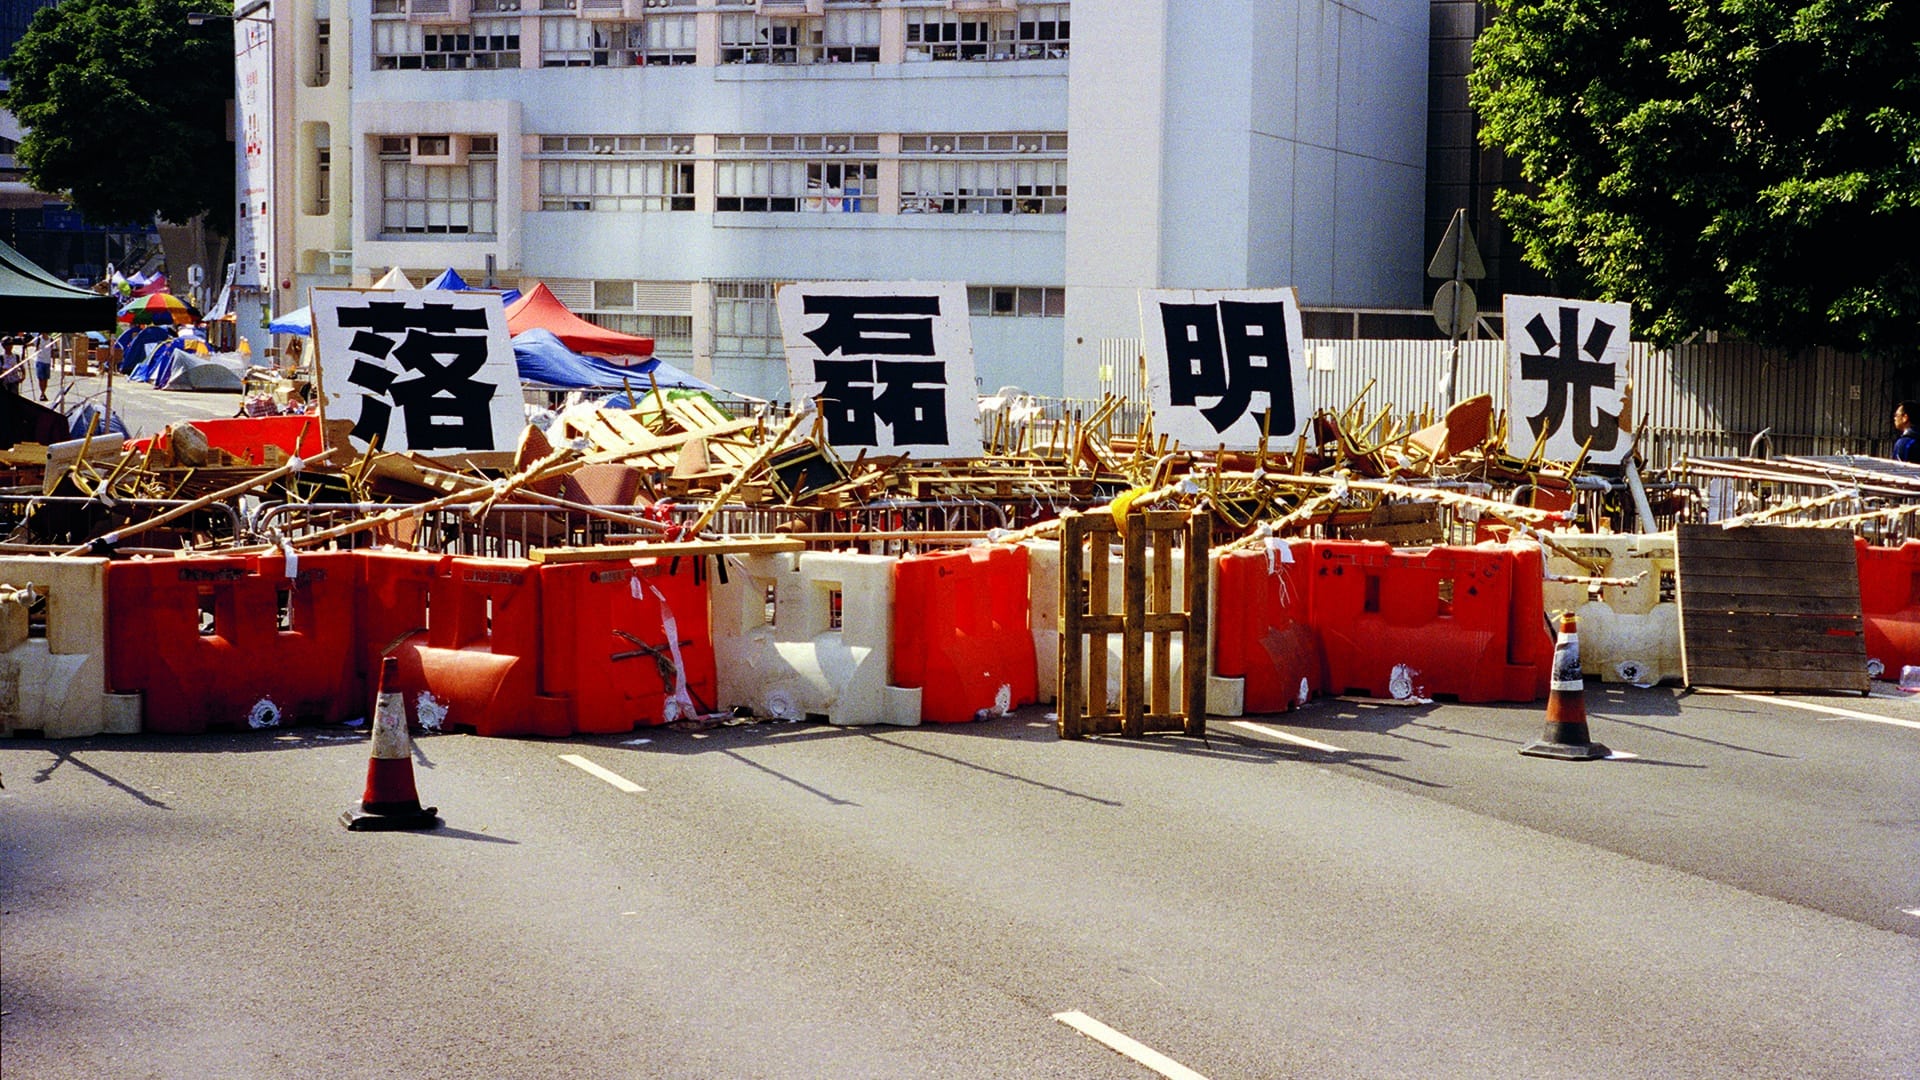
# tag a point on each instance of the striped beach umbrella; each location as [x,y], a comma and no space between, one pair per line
[159,309]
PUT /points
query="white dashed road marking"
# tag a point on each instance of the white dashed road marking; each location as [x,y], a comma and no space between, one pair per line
[608,775]
[1851,714]
[1284,737]
[1113,1040]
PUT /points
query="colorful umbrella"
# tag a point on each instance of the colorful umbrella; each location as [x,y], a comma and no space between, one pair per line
[159,309]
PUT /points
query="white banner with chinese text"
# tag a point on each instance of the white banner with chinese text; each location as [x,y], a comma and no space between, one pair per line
[1567,377]
[1219,361]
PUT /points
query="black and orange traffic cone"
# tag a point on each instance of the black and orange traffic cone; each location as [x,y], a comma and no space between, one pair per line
[1566,735]
[390,801]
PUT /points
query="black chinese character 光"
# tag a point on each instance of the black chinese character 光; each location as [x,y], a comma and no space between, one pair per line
[873,325]
[443,406]
[1230,351]
[911,400]
[1557,362]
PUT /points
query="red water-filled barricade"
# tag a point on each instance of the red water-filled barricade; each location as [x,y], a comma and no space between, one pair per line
[232,641]
[248,437]
[477,664]
[1461,622]
[626,643]
[1890,605]
[1262,630]
[961,632]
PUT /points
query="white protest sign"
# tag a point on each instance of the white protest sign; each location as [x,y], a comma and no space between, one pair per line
[1219,359]
[891,364]
[1566,374]
[424,370]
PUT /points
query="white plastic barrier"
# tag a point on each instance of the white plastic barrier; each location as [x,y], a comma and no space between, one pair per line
[1225,697]
[57,684]
[802,634]
[1627,633]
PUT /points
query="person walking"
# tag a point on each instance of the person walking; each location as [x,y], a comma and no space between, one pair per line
[1906,445]
[43,363]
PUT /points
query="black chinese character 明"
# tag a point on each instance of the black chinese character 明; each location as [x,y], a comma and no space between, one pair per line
[1230,351]
[442,405]
[909,396]
[1557,362]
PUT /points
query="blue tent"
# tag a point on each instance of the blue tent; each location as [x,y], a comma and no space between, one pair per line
[299,322]
[544,361]
[448,281]
[135,343]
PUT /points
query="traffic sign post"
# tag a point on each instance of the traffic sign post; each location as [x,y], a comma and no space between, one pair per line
[1454,306]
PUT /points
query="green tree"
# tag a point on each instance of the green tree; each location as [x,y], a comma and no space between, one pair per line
[1750,166]
[125,109]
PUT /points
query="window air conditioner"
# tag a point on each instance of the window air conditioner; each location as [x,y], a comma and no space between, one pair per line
[982,6]
[790,8]
[440,12]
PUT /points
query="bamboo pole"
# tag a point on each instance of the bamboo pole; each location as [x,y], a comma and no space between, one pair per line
[203,502]
[740,478]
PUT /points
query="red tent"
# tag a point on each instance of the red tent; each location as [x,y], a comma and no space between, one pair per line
[540,308]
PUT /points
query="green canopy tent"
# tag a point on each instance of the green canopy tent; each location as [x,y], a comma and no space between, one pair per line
[32,300]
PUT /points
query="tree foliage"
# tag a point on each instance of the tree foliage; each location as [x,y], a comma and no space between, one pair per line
[125,109]
[1750,166]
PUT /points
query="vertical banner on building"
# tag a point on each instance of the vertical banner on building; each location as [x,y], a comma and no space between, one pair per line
[1225,365]
[891,364]
[426,370]
[1566,377]
[253,151]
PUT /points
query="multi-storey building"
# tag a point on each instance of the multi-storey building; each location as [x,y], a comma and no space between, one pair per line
[663,164]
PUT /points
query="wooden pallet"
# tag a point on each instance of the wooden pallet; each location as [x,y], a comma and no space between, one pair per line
[1770,608]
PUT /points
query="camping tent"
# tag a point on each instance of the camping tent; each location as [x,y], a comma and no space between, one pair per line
[33,300]
[299,322]
[545,361]
[540,309]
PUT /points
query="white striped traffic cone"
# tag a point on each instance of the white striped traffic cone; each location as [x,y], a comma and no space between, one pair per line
[390,801]
[1566,735]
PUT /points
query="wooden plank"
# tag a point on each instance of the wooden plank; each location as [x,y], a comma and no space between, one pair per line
[1071,695]
[1160,621]
[1196,660]
[667,549]
[1769,607]
[1133,646]
[1099,582]
[1744,678]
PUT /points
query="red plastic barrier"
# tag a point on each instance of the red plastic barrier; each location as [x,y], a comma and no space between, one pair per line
[1890,604]
[247,437]
[1459,618]
[1261,630]
[961,631]
[231,641]
[477,664]
[395,587]
[607,650]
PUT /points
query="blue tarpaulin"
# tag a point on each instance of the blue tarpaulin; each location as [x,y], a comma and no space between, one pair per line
[135,343]
[545,361]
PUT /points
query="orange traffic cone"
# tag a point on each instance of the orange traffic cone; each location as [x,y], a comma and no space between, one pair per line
[1566,734]
[390,802]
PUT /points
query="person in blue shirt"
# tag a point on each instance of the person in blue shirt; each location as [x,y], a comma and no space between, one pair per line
[1906,445]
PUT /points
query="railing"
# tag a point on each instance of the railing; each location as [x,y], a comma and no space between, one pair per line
[65,520]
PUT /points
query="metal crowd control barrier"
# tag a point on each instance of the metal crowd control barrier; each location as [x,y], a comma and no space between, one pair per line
[75,519]
[505,532]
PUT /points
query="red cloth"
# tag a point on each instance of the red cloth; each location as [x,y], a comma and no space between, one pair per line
[540,308]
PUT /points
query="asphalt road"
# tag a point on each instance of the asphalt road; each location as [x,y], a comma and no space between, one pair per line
[144,409]
[1407,896]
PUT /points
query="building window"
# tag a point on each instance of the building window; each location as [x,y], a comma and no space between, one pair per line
[1035,32]
[322,47]
[485,45]
[983,174]
[1043,32]
[757,39]
[1016,300]
[669,39]
[419,199]
[745,322]
[615,172]
[584,43]
[322,179]
[848,37]
[787,174]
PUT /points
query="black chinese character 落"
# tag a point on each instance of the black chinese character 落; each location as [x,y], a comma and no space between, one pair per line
[443,406]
